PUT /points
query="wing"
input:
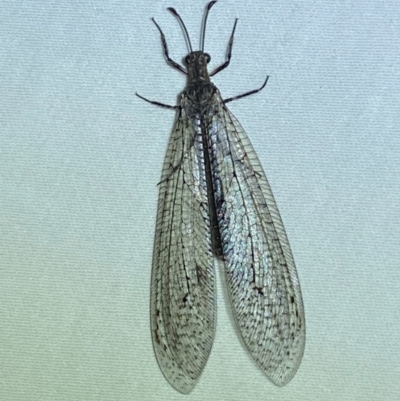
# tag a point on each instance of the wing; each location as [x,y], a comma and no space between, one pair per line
[182,283]
[261,275]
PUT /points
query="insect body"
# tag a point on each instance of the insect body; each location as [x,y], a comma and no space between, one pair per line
[215,201]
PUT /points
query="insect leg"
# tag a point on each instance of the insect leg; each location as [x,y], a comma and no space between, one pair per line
[171,62]
[230,44]
[167,106]
[248,93]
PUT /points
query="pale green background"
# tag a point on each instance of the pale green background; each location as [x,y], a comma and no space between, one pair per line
[80,158]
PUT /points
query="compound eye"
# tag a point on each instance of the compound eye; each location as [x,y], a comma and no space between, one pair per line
[208,57]
[187,59]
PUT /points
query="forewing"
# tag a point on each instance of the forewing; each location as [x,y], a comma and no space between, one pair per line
[260,272]
[182,284]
